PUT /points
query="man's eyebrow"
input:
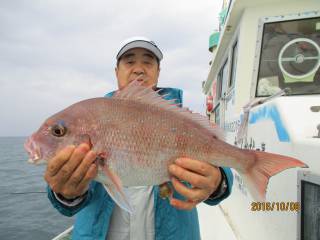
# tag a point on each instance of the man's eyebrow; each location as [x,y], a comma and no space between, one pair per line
[150,55]
[128,55]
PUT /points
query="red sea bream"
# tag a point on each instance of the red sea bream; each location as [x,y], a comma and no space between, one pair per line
[137,134]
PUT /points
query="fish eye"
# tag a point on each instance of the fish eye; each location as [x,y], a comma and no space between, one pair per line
[58,130]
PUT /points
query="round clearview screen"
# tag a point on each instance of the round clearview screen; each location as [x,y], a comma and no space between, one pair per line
[299,58]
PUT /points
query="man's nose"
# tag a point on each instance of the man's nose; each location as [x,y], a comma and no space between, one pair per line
[138,69]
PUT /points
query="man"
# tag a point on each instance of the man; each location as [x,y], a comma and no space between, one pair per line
[70,173]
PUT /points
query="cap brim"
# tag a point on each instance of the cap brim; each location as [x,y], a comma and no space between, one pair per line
[141,44]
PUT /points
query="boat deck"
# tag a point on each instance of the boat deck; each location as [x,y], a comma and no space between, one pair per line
[210,218]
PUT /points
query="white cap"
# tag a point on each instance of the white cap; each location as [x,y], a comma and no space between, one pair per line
[139,42]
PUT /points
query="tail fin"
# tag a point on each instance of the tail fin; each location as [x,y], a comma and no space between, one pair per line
[265,166]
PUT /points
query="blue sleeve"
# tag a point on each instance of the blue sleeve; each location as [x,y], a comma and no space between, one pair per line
[229,175]
[109,95]
[70,211]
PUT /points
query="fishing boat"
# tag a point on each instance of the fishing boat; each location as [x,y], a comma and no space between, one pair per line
[263,89]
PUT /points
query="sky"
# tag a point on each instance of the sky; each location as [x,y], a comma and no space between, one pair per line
[55,53]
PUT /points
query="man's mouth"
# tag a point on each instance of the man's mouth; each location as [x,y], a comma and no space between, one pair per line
[139,79]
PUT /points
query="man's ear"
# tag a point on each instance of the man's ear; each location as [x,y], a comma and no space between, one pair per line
[116,71]
[157,78]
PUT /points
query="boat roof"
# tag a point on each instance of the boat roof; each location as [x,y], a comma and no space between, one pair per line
[234,13]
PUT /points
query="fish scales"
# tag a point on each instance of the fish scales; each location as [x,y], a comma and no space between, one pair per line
[144,143]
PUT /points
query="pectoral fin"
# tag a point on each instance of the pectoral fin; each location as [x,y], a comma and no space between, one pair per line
[113,186]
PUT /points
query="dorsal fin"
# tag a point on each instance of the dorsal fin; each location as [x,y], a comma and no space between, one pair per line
[136,92]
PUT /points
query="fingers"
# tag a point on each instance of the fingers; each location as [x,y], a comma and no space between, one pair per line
[72,190]
[90,175]
[59,160]
[203,176]
[193,178]
[74,161]
[186,166]
[71,170]
[200,167]
[183,205]
[193,194]
[82,172]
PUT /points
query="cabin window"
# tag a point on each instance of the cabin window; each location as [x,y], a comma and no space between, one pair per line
[310,210]
[290,58]
[233,64]
[217,115]
[222,80]
[219,85]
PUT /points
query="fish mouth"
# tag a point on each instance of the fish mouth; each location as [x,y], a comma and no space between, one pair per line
[33,150]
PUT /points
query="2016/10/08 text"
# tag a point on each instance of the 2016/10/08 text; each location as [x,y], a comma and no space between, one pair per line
[275,206]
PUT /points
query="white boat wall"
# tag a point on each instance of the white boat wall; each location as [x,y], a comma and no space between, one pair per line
[264,88]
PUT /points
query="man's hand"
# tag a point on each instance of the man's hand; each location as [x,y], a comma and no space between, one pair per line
[204,178]
[71,170]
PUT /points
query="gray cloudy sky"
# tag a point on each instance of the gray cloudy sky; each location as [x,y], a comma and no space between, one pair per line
[54,53]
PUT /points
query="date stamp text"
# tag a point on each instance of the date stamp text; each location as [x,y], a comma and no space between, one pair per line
[275,206]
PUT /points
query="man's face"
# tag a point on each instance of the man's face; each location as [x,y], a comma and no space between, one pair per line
[140,64]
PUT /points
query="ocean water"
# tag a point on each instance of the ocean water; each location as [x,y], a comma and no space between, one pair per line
[25,211]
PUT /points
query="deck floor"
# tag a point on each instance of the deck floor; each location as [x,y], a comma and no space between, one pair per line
[212,218]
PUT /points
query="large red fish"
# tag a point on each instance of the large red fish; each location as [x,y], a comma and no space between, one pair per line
[137,134]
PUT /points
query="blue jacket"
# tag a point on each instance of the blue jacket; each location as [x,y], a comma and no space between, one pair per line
[92,222]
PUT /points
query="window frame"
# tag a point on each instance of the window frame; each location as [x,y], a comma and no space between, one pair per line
[233,65]
[258,50]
